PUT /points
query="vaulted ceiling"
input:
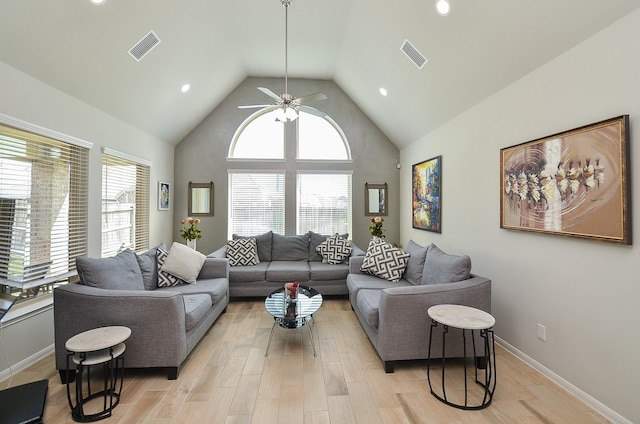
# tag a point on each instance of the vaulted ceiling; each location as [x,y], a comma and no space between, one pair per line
[480,48]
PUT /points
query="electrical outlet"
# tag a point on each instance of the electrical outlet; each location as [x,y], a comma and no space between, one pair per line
[542,332]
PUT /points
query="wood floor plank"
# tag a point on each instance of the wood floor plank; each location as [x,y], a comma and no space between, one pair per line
[227,380]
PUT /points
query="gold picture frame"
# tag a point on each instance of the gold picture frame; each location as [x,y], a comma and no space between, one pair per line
[575,183]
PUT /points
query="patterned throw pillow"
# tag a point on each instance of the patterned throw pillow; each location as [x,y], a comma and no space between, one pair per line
[242,252]
[164,278]
[334,249]
[384,261]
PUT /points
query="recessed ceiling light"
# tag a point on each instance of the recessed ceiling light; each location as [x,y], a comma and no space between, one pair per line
[97,1]
[185,88]
[383,91]
[443,7]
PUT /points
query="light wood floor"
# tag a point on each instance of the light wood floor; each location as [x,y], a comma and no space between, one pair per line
[227,379]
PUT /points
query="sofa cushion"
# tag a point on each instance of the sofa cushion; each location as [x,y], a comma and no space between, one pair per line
[290,248]
[415,264]
[183,262]
[319,271]
[215,288]
[368,302]
[384,261]
[164,278]
[286,271]
[120,272]
[334,250]
[148,263]
[196,307]
[263,242]
[314,240]
[440,267]
[242,252]
[251,273]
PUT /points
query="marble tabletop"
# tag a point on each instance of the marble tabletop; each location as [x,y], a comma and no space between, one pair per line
[98,339]
[459,316]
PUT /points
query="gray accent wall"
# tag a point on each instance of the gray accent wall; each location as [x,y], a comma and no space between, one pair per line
[202,157]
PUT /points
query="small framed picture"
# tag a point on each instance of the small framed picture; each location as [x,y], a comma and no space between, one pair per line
[164,193]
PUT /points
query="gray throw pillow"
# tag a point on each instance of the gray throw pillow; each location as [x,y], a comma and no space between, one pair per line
[263,241]
[290,248]
[149,267]
[120,272]
[440,267]
[415,265]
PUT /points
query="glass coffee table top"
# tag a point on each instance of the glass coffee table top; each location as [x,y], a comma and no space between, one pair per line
[297,312]
[293,313]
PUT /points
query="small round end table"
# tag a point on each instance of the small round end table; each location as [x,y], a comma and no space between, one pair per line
[100,346]
[470,320]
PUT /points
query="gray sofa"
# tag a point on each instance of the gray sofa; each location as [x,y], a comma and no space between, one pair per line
[287,259]
[166,322]
[394,314]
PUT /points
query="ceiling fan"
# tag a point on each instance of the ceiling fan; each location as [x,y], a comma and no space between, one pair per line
[287,105]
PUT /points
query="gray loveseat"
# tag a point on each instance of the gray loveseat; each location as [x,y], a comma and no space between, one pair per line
[394,314]
[287,259]
[166,322]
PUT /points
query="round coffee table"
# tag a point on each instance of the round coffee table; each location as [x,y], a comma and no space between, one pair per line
[293,313]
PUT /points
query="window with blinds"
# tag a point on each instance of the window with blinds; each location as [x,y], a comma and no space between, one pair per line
[256,203]
[125,203]
[43,210]
[323,203]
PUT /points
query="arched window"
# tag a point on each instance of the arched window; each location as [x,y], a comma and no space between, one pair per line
[321,199]
[259,137]
[321,139]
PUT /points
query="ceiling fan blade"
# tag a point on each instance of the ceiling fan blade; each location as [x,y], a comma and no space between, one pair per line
[253,106]
[311,98]
[270,93]
[313,111]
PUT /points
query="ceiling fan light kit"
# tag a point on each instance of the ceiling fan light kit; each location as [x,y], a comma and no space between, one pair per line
[287,105]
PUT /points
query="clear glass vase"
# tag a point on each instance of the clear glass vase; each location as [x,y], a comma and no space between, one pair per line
[192,244]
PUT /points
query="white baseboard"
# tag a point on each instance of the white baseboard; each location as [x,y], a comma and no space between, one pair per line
[589,400]
[26,363]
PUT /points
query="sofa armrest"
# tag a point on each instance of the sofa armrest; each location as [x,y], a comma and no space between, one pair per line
[356,251]
[156,319]
[399,328]
[214,268]
[219,253]
[355,262]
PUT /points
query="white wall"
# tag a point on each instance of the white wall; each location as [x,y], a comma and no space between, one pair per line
[27,99]
[586,293]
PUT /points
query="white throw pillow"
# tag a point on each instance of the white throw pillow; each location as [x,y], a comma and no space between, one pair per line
[384,261]
[183,262]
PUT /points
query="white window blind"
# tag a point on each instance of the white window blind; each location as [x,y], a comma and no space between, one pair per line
[256,203]
[125,204]
[324,203]
[43,210]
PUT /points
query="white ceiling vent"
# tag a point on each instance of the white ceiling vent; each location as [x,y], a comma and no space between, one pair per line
[144,46]
[413,54]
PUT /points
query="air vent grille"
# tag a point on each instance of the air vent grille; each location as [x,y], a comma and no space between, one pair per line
[413,54]
[144,46]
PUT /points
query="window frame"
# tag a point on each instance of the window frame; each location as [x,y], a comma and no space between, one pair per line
[79,152]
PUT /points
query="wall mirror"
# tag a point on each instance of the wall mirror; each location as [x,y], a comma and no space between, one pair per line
[200,199]
[375,199]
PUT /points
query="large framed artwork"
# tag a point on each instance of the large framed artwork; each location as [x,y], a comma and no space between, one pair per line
[427,195]
[575,183]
